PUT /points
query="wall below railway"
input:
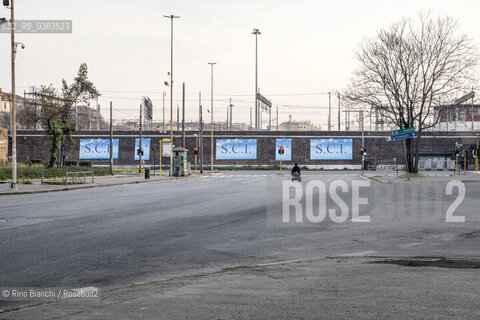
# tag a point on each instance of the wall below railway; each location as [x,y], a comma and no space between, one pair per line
[36,145]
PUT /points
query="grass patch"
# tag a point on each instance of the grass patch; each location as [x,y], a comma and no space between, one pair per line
[412,175]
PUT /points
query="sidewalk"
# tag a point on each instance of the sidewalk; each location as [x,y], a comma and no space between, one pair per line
[435,176]
[100,181]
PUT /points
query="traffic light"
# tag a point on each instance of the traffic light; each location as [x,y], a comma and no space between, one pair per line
[281,150]
[457,153]
[6,3]
[195,150]
[363,151]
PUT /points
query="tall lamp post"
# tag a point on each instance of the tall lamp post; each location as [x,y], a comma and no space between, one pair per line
[13,108]
[256,32]
[171,17]
[211,116]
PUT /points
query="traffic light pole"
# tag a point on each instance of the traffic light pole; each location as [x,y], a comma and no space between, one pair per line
[280,163]
[140,144]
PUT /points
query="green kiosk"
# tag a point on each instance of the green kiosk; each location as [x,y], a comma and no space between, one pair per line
[180,162]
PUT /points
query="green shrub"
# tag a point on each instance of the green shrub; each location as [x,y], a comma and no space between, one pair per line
[85,163]
[36,161]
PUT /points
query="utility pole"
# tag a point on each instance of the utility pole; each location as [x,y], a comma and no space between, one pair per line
[329,111]
[270,119]
[211,117]
[200,144]
[226,123]
[277,118]
[178,118]
[251,118]
[256,32]
[163,117]
[171,17]
[471,115]
[111,138]
[140,144]
[183,115]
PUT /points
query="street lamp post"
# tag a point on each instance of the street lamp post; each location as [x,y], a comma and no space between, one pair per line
[171,17]
[211,116]
[256,32]
[13,108]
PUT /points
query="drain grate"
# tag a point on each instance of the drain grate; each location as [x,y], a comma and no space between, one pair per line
[439,263]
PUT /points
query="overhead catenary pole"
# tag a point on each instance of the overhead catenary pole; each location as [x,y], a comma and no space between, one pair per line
[171,17]
[231,114]
[471,115]
[329,111]
[111,138]
[256,32]
[211,116]
[183,115]
[339,111]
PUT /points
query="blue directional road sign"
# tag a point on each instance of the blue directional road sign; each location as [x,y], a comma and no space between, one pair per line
[402,136]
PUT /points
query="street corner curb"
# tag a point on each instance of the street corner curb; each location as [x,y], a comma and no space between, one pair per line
[84,187]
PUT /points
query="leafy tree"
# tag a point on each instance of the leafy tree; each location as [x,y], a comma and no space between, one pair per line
[58,109]
[411,69]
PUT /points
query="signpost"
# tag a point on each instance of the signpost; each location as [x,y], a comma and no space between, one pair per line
[403,134]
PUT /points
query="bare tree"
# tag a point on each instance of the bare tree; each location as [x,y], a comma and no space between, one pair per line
[411,67]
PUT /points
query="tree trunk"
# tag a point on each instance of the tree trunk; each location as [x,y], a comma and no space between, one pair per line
[409,150]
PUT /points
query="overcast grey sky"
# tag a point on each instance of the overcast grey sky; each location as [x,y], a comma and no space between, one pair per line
[306,48]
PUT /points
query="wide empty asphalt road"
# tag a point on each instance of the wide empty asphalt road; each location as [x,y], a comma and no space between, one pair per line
[114,236]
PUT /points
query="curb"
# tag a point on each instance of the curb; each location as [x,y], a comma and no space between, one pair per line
[94,186]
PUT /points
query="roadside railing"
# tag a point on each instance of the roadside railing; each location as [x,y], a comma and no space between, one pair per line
[67,177]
